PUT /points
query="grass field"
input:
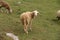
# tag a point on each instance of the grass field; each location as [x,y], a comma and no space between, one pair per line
[44,27]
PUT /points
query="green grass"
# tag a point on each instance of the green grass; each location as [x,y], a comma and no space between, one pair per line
[44,27]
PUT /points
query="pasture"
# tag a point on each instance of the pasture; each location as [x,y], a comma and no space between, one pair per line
[44,27]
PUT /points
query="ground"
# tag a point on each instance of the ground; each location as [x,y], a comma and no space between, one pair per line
[44,27]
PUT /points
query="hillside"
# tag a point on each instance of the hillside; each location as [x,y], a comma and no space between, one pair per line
[44,26]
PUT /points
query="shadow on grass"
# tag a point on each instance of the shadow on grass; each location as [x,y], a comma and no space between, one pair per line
[56,21]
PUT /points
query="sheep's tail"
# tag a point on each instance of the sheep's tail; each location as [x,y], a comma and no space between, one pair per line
[12,36]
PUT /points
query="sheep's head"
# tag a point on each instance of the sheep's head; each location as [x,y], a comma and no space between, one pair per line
[35,12]
[10,11]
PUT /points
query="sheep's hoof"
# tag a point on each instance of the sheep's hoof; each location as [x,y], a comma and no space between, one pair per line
[30,29]
[26,32]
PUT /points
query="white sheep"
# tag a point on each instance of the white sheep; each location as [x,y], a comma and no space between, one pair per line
[14,37]
[26,19]
[58,14]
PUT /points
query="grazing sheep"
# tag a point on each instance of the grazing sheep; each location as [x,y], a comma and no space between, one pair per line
[26,19]
[58,14]
[5,5]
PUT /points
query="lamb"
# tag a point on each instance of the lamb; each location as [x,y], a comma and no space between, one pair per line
[58,15]
[5,5]
[26,19]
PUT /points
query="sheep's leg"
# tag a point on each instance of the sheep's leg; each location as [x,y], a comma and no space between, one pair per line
[30,27]
[1,9]
[8,10]
[25,29]
[25,26]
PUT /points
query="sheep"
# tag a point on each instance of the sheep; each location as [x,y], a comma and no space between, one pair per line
[26,19]
[58,15]
[5,5]
[14,37]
